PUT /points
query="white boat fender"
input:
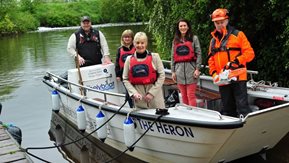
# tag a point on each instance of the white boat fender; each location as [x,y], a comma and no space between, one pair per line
[129,133]
[55,101]
[81,119]
[100,120]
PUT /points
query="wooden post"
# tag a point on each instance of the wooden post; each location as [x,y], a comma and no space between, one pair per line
[79,74]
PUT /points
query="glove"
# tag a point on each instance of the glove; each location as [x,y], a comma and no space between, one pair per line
[222,78]
[233,64]
[216,78]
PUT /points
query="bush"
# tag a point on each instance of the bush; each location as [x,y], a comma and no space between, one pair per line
[6,25]
[25,22]
[267,29]
[66,14]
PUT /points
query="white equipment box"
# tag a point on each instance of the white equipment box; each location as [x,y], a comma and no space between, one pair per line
[99,77]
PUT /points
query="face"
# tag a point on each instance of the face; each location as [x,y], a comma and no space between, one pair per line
[221,25]
[140,45]
[86,25]
[127,40]
[183,28]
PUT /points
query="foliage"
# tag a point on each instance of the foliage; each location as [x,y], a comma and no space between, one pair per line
[25,22]
[7,6]
[123,11]
[100,11]
[265,23]
[15,22]
[267,28]
[62,13]
[65,14]
[6,25]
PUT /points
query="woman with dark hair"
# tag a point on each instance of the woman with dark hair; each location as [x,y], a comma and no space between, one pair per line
[186,61]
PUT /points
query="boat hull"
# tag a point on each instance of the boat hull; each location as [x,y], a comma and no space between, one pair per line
[187,134]
[165,141]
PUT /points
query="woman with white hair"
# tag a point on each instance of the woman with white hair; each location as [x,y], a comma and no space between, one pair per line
[144,75]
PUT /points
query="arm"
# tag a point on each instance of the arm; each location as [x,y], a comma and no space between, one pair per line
[71,49]
[174,77]
[247,51]
[104,48]
[211,63]
[71,45]
[198,52]
[117,66]
[172,59]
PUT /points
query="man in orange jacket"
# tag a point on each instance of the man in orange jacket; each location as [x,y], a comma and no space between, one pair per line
[230,49]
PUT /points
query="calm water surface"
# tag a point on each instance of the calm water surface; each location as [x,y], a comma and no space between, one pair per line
[26,101]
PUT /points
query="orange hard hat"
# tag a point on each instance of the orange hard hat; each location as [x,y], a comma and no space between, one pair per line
[220,14]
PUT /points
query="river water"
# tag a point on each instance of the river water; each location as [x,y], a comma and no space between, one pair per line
[24,59]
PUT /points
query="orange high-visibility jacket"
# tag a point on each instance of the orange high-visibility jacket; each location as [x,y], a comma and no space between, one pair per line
[233,46]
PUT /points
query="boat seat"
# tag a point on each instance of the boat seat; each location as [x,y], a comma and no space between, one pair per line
[201,93]
[206,94]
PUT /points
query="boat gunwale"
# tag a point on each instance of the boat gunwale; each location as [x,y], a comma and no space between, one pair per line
[177,121]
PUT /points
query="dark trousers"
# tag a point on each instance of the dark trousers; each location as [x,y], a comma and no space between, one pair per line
[235,99]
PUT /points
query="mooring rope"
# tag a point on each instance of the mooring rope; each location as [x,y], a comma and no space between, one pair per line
[114,158]
[61,145]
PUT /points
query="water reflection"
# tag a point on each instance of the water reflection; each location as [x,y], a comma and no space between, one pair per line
[88,150]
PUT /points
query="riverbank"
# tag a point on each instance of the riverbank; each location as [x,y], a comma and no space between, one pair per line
[48,29]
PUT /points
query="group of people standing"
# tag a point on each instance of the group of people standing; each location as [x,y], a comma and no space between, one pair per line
[142,71]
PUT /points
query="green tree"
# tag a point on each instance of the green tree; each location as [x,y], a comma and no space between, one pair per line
[267,28]
[123,11]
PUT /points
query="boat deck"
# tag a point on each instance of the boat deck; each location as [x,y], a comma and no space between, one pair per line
[193,113]
[10,149]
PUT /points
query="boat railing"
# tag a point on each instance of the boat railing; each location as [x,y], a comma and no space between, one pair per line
[168,70]
[85,88]
[200,109]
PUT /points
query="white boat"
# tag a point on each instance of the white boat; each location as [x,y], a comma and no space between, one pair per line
[188,134]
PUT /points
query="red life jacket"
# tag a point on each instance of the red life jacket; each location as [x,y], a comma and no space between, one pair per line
[123,55]
[184,52]
[142,72]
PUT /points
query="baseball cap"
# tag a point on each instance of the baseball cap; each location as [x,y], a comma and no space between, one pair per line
[85,18]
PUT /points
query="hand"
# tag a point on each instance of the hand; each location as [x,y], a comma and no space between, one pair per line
[137,96]
[81,61]
[174,77]
[106,60]
[233,64]
[148,97]
[118,78]
[197,73]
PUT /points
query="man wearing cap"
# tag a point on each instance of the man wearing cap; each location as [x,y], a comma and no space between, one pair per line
[90,44]
[230,49]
